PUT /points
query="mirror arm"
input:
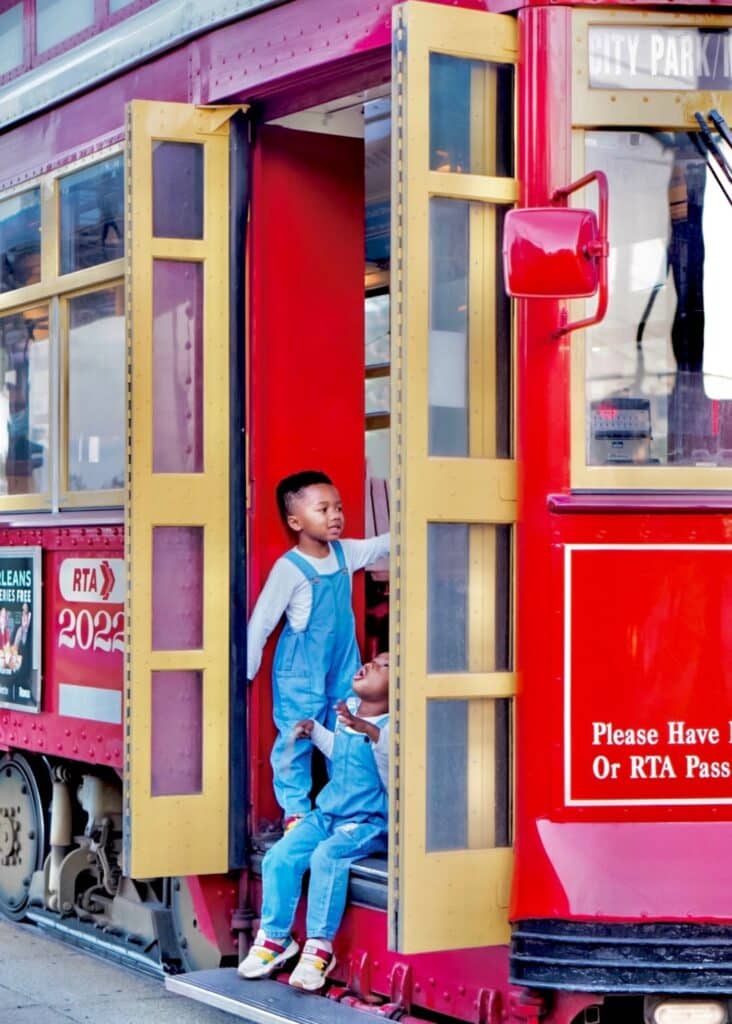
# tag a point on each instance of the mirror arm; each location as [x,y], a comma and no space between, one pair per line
[598,250]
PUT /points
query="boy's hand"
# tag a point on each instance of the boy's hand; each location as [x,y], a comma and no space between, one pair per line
[303,729]
[345,717]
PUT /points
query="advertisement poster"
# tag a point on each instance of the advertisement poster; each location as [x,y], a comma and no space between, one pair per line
[20,628]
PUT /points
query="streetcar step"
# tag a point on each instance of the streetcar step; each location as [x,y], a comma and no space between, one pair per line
[264,1002]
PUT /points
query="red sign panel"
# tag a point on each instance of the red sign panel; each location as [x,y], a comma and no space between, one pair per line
[648,674]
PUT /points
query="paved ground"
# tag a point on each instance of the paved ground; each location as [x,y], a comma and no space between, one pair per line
[42,981]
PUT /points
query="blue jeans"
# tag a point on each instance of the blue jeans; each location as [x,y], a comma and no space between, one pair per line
[329,852]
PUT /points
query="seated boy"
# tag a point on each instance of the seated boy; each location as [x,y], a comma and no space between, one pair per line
[349,821]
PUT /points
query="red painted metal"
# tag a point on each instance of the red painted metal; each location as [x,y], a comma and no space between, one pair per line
[64,660]
[214,899]
[594,248]
[306,403]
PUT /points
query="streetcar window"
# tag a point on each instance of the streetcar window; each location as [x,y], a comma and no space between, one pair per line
[96,391]
[11,39]
[469,336]
[658,387]
[465,97]
[56,20]
[177,190]
[468,597]
[91,205]
[20,240]
[468,778]
[24,402]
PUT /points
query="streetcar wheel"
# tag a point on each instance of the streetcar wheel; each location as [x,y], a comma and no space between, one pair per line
[197,953]
[22,834]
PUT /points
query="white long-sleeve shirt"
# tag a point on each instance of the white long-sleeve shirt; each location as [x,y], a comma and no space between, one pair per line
[287,591]
[324,739]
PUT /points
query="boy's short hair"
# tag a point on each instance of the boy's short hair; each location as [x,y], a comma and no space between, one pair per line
[290,487]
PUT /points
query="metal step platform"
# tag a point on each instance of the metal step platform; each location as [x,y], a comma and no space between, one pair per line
[264,1002]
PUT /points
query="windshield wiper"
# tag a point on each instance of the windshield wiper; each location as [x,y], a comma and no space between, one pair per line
[705,142]
[713,146]
[721,125]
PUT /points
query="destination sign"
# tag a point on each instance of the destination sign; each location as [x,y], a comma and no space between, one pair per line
[659,58]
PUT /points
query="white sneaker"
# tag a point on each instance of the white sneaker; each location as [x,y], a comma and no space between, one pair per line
[265,956]
[313,967]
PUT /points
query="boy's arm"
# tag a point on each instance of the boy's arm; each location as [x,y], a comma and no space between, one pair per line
[323,739]
[381,755]
[359,553]
[269,609]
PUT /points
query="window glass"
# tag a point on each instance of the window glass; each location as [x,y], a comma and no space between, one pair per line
[177,584]
[91,205]
[20,240]
[24,402]
[471,116]
[118,5]
[56,20]
[469,333]
[468,597]
[468,774]
[177,190]
[376,314]
[177,419]
[96,391]
[11,39]
[658,388]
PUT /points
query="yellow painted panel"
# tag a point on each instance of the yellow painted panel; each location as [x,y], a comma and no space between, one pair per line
[654,108]
[180,834]
[477,489]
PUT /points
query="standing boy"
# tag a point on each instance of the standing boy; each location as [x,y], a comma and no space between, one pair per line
[349,821]
[317,654]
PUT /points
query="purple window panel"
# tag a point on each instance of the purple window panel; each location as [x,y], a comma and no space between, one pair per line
[177,588]
[177,190]
[177,367]
[177,733]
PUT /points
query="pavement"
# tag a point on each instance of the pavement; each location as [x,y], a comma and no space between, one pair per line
[44,981]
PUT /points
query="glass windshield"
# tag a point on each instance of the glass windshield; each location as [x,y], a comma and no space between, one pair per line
[658,386]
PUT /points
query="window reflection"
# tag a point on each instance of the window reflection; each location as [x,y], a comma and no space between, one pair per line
[471,116]
[468,597]
[56,21]
[11,39]
[468,774]
[24,402]
[92,215]
[20,240]
[659,367]
[96,391]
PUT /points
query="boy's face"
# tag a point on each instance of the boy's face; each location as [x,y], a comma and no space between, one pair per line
[371,682]
[317,512]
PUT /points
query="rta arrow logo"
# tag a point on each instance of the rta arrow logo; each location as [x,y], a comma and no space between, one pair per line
[107,579]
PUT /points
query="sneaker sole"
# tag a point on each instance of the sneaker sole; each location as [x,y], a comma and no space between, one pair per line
[315,988]
[268,969]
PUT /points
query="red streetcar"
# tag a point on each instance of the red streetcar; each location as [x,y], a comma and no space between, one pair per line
[470,259]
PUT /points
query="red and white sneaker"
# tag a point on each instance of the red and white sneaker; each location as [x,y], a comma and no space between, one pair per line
[313,967]
[265,956]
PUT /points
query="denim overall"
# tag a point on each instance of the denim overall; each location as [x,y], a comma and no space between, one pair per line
[313,669]
[349,821]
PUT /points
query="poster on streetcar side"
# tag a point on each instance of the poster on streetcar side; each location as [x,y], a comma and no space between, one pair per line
[20,628]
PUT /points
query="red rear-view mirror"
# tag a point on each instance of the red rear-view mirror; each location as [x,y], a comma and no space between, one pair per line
[556,252]
[548,253]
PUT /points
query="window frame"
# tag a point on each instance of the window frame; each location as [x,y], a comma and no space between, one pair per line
[56,290]
[607,110]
